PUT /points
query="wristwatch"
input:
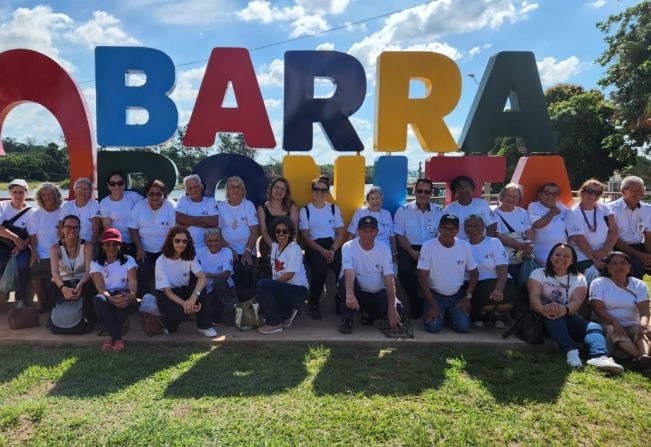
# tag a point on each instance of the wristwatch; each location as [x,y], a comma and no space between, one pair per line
[469,295]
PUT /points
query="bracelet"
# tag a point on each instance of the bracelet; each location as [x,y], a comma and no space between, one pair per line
[469,295]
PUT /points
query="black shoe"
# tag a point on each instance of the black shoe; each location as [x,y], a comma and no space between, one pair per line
[315,313]
[366,319]
[346,327]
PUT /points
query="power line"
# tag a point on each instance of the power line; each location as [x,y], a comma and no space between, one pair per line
[307,36]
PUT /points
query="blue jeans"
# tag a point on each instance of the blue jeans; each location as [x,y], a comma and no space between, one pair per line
[448,305]
[571,327]
[22,263]
[278,300]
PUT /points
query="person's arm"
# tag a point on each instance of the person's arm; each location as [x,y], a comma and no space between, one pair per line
[512,243]
[340,235]
[250,243]
[491,229]
[465,303]
[604,317]
[196,221]
[88,256]
[645,325]
[423,281]
[293,215]
[392,312]
[403,242]
[55,253]
[33,242]
[264,231]
[497,294]
[576,299]
[647,241]
[107,222]
[349,281]
[285,276]
[622,246]
[96,227]
[584,246]
[140,250]
[611,238]
[394,248]
[535,291]
[546,219]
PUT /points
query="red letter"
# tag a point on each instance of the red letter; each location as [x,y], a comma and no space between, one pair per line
[533,172]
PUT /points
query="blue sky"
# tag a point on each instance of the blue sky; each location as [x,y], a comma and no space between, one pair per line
[561,33]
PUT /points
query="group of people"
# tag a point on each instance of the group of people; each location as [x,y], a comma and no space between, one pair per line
[465,263]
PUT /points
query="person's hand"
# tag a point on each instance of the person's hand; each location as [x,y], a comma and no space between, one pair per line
[34,259]
[600,254]
[598,263]
[140,254]
[527,248]
[414,255]
[189,304]
[555,211]
[394,319]
[644,331]
[465,305]
[351,301]
[246,258]
[550,311]
[21,244]
[645,258]
[619,331]
[497,296]
[68,293]
[77,290]
[433,312]
[120,300]
[328,255]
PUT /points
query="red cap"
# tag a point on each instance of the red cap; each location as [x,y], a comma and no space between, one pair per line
[111,234]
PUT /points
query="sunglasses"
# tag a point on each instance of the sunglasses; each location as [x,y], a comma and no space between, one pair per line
[282,231]
[424,191]
[180,241]
[320,190]
[119,183]
[593,192]
[154,194]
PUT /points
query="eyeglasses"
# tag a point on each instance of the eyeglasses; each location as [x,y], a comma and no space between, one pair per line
[424,191]
[118,183]
[319,190]
[154,194]
[551,193]
[180,241]
[593,192]
[282,231]
[70,227]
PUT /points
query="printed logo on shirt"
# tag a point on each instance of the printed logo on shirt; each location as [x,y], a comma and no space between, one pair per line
[378,267]
[185,274]
[165,224]
[279,266]
[575,228]
[460,262]
[488,255]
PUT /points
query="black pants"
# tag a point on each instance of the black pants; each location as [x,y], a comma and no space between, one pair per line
[637,268]
[373,303]
[174,313]
[110,316]
[244,279]
[408,275]
[319,268]
[146,274]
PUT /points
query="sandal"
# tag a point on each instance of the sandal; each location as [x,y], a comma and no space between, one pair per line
[118,346]
[108,345]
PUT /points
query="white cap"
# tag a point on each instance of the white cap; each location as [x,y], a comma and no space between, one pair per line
[18,182]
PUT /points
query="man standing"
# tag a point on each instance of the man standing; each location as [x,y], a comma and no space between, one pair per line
[367,281]
[634,224]
[414,224]
[442,269]
[195,211]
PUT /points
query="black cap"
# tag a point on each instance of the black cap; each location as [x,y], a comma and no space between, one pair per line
[449,219]
[368,221]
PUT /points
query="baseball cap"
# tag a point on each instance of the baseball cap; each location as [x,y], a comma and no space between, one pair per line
[18,182]
[111,234]
[367,221]
[449,219]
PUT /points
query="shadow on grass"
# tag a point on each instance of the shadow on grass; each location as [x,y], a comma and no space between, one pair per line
[16,359]
[96,373]
[243,371]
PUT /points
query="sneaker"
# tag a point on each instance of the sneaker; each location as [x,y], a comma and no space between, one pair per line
[644,361]
[210,332]
[499,324]
[606,364]
[478,323]
[573,359]
[366,319]
[499,321]
[315,313]
[267,329]
[288,322]
[346,326]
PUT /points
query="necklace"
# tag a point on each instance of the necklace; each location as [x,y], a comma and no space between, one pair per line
[592,228]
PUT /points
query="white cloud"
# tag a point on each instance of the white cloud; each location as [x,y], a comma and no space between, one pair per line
[474,51]
[263,11]
[273,103]
[185,12]
[597,3]
[323,6]
[552,72]
[29,120]
[187,84]
[272,74]
[306,25]
[102,29]
[326,46]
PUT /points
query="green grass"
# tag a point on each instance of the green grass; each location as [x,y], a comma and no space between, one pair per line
[280,395]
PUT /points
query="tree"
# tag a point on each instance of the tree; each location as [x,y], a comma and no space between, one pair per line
[234,144]
[628,58]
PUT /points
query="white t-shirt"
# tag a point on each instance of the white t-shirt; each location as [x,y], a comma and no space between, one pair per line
[207,207]
[489,253]
[44,225]
[114,274]
[518,219]
[557,289]
[119,211]
[620,303]
[174,273]
[370,266]
[576,224]
[551,234]
[447,266]
[216,263]
[322,222]
[417,226]
[85,214]
[631,223]
[7,212]
[235,222]
[152,225]
[384,223]
[288,260]
[477,206]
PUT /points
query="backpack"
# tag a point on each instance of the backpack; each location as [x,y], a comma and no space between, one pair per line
[67,318]
[247,315]
[529,328]
[307,211]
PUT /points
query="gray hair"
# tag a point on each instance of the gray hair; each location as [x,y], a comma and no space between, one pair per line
[55,192]
[630,180]
[212,232]
[475,216]
[374,190]
[81,180]
[236,179]
[187,178]
[509,187]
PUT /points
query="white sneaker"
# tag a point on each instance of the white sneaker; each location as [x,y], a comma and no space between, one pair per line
[478,323]
[288,322]
[499,324]
[210,332]
[606,364]
[573,359]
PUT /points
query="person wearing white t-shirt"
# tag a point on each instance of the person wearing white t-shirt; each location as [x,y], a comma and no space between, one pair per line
[322,232]
[444,264]
[85,208]
[591,227]
[195,211]
[238,221]
[149,223]
[14,215]
[547,217]
[415,223]
[495,293]
[634,224]
[621,302]
[114,275]
[384,220]
[465,204]
[115,209]
[180,282]
[281,296]
[367,280]
[557,292]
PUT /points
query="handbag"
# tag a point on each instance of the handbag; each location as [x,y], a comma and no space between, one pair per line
[23,318]
[67,318]
[527,266]
[9,280]
[529,327]
[227,304]
[20,232]
[515,255]
[247,315]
